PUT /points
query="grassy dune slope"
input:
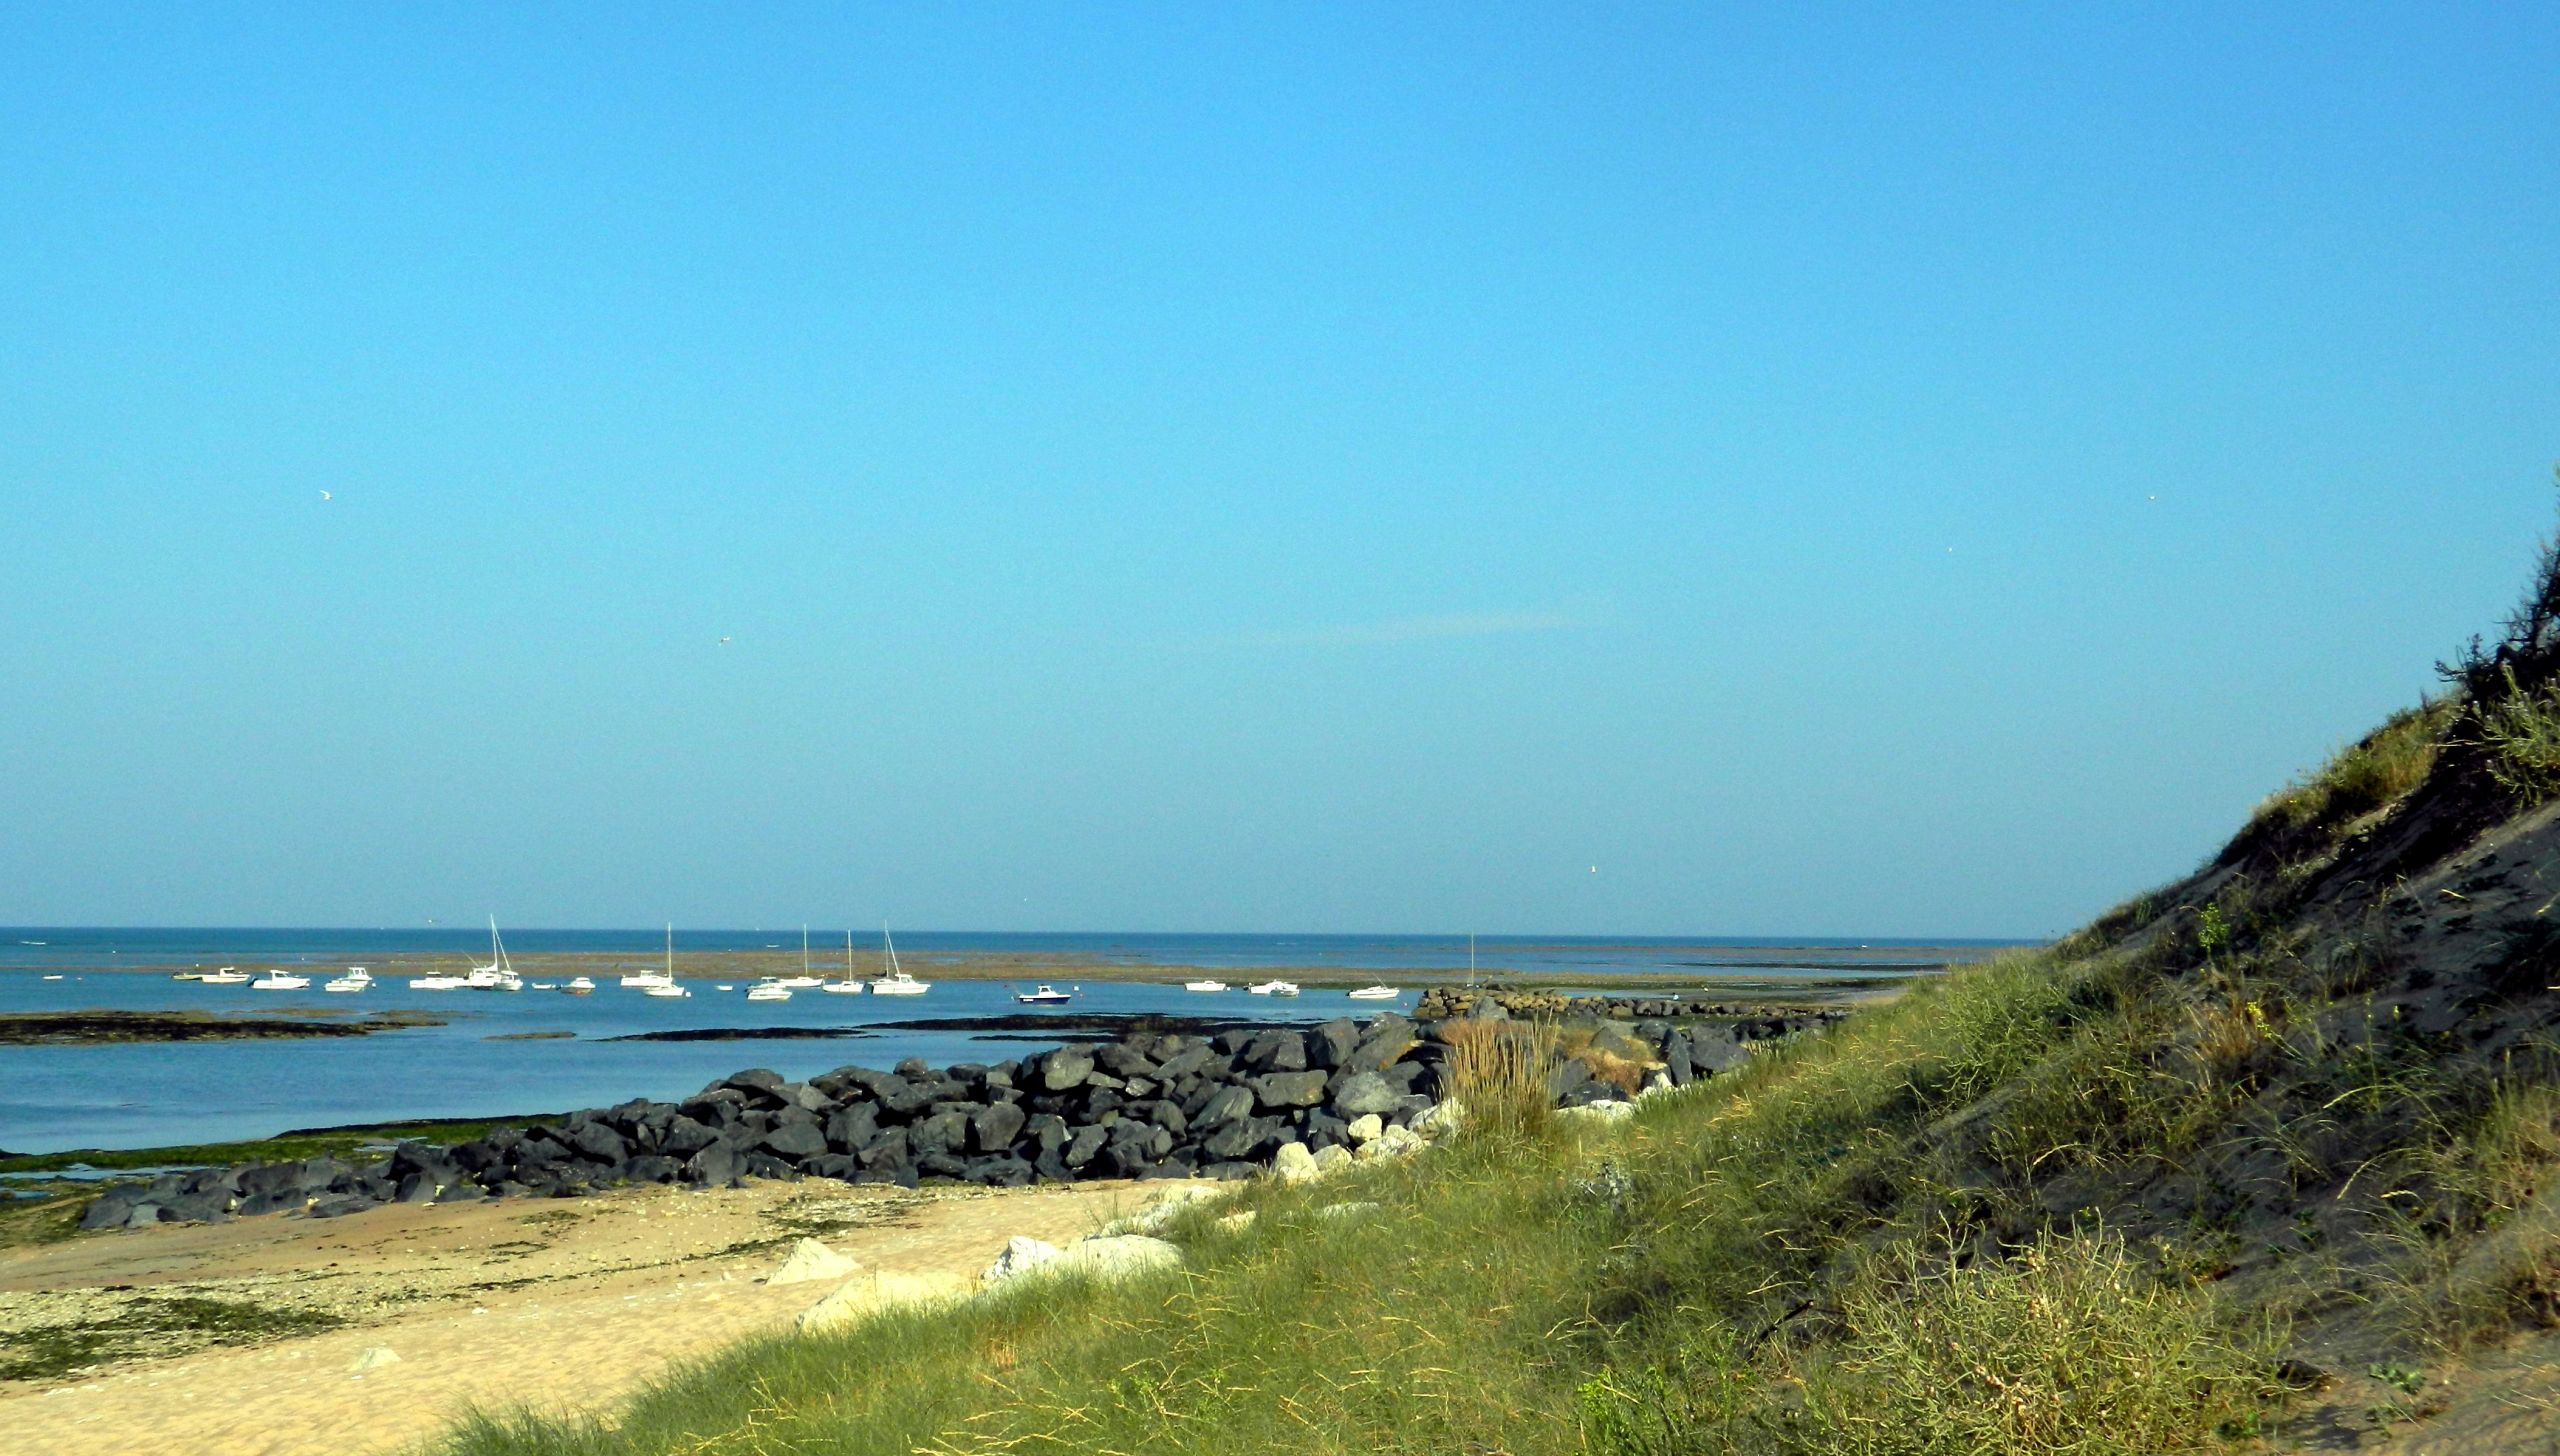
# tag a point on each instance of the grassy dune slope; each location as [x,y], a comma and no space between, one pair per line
[2265,1158]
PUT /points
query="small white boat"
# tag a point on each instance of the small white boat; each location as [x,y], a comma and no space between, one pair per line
[1047,995]
[227,976]
[188,976]
[897,982]
[280,981]
[1204,985]
[664,989]
[356,979]
[769,991]
[578,986]
[542,985]
[724,986]
[1275,988]
[1374,993]
[644,980]
[436,983]
[53,978]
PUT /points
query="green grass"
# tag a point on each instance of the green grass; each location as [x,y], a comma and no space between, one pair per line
[2367,775]
[151,1326]
[335,1142]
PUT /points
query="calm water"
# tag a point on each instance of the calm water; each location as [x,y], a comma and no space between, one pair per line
[150,1095]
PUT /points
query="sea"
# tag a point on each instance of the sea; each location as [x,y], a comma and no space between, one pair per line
[501,1054]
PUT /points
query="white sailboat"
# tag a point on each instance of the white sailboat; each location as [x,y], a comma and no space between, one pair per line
[804,980]
[663,985]
[897,982]
[1374,993]
[848,986]
[499,974]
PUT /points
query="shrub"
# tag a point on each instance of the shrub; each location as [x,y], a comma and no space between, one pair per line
[2069,1344]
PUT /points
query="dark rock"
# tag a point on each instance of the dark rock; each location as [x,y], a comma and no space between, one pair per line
[340,1207]
[252,1205]
[1065,1068]
[888,1150]
[1230,1171]
[111,1209]
[415,1188]
[994,1130]
[944,1132]
[941,1165]
[756,1082]
[717,1166]
[598,1143]
[1082,1145]
[999,1172]
[1276,1050]
[1288,1089]
[842,1166]
[1123,1060]
[652,1168]
[1388,1038]
[1185,1063]
[684,1137]
[795,1140]
[851,1128]
[1047,1131]
[913,1069]
[1226,1105]
[766,1165]
[1330,1045]
[1357,1094]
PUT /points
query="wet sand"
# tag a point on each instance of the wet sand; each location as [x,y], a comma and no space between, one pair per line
[555,1303]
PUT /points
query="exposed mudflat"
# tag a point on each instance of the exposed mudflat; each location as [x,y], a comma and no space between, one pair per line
[97,1027]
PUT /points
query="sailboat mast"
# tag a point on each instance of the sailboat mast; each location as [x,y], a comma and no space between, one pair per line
[804,950]
[671,952]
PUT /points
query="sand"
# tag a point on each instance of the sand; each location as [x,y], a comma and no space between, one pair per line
[554,1303]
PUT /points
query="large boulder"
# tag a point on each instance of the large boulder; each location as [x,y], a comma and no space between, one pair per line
[1361,1094]
[994,1130]
[870,1293]
[1288,1089]
[1276,1050]
[810,1260]
[1020,1254]
[1065,1068]
[795,1140]
[1103,1256]
[1227,1104]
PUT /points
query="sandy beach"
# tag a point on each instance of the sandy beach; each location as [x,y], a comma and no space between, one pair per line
[555,1303]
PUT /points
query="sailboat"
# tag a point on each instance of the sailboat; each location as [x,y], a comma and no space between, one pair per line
[500,973]
[664,985]
[848,986]
[804,980]
[897,982]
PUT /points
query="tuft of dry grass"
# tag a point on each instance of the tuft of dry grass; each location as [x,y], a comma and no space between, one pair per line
[1500,1071]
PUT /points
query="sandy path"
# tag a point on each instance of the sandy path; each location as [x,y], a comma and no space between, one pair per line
[553,1303]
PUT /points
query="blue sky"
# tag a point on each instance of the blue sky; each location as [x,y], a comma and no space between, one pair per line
[1861,471]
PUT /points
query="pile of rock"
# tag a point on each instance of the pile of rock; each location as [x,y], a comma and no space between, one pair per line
[1495,1001]
[1145,1106]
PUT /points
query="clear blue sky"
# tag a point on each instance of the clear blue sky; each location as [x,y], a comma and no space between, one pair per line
[1863,471]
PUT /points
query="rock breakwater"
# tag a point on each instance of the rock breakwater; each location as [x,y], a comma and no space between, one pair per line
[1147,1105]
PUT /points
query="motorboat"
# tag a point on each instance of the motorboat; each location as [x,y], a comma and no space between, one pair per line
[436,983]
[1047,995]
[53,978]
[280,981]
[769,991]
[578,986]
[542,985]
[1204,985]
[1275,988]
[356,979]
[644,980]
[1374,993]
[897,982]
[227,976]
